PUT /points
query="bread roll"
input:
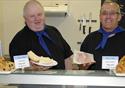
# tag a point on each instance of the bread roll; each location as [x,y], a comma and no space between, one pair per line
[39,59]
[33,56]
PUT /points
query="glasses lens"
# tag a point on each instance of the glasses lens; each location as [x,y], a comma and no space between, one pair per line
[109,13]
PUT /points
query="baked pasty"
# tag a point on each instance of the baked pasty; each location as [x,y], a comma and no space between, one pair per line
[39,59]
[120,68]
[33,56]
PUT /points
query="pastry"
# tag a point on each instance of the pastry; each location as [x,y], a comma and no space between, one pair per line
[6,65]
[120,68]
[33,56]
[38,59]
[46,60]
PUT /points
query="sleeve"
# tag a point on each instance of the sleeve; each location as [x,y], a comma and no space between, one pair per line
[18,46]
[65,46]
[84,46]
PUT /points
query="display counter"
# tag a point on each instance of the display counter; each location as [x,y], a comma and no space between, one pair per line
[63,77]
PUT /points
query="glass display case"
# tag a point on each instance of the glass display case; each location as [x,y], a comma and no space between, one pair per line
[64,77]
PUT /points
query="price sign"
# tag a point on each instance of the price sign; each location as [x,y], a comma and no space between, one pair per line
[21,61]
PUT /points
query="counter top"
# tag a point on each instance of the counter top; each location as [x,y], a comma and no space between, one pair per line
[63,77]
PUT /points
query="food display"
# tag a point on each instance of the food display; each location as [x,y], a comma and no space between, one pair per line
[40,60]
[6,65]
[120,68]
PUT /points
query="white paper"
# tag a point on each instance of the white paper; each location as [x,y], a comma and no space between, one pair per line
[109,62]
[21,61]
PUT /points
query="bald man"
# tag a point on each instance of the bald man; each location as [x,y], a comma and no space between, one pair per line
[42,39]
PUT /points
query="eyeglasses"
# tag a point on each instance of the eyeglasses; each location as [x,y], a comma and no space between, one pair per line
[109,13]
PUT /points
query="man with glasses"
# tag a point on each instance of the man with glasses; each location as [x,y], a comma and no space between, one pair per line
[108,43]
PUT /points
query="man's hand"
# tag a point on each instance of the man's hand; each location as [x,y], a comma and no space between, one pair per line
[85,66]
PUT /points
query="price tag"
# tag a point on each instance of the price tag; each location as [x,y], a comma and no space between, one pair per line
[21,61]
[109,62]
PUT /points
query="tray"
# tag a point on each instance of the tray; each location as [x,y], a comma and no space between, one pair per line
[118,74]
[7,72]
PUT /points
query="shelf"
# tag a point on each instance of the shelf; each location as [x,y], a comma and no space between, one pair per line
[71,77]
[56,11]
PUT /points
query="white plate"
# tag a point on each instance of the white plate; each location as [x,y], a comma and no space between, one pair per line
[118,74]
[54,63]
[7,72]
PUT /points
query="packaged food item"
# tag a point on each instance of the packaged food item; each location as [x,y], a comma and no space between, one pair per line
[82,57]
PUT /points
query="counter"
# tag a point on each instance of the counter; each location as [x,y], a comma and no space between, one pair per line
[63,77]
